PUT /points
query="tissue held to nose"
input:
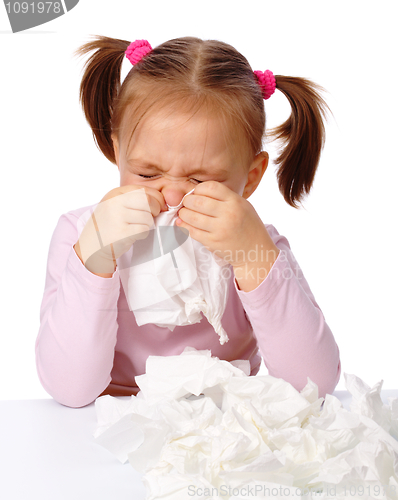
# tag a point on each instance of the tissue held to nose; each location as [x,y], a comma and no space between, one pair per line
[171,279]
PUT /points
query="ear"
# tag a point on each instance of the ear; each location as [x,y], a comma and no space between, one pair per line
[116,149]
[256,172]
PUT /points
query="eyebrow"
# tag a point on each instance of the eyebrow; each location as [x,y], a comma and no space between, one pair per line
[153,166]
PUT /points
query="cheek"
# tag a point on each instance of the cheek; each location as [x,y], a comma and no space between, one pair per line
[126,177]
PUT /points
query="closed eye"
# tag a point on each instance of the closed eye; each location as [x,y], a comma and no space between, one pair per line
[151,176]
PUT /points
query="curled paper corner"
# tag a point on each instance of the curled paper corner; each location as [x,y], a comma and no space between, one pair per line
[199,305]
[109,410]
[357,387]
[221,332]
[123,436]
[367,402]
[241,364]
[310,391]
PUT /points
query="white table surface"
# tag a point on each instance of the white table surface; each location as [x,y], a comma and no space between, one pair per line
[48,452]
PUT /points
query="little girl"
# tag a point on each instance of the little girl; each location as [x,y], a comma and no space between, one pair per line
[189,115]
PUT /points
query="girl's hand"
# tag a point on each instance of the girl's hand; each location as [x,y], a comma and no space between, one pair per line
[123,216]
[228,226]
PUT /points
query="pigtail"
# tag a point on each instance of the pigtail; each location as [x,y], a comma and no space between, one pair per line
[100,86]
[302,137]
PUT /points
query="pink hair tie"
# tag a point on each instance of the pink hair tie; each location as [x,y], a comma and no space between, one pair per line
[137,50]
[267,82]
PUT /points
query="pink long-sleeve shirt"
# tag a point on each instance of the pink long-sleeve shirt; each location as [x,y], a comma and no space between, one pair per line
[89,343]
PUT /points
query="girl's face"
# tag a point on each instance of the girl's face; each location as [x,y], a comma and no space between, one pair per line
[175,152]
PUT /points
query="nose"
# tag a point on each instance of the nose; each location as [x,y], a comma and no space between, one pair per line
[174,192]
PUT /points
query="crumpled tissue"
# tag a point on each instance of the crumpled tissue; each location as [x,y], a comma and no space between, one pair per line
[169,278]
[203,426]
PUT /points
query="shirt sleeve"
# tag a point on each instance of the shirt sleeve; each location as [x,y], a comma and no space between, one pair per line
[294,339]
[78,323]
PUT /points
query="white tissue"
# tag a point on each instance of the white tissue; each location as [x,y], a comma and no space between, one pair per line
[181,280]
[202,426]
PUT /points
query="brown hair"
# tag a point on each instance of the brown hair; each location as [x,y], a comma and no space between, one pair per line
[192,72]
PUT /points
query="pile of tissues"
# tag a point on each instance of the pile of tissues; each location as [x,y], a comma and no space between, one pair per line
[202,428]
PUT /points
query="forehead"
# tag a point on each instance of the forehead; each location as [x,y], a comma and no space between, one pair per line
[187,133]
[197,132]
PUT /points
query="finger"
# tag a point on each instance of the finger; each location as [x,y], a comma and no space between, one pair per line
[203,205]
[128,191]
[140,218]
[140,199]
[156,205]
[195,220]
[156,196]
[213,189]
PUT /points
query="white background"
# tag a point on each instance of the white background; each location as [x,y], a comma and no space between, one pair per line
[345,236]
